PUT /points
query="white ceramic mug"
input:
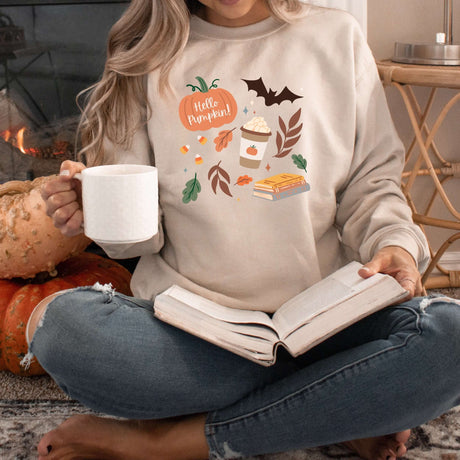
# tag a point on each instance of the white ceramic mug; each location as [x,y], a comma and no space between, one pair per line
[120,202]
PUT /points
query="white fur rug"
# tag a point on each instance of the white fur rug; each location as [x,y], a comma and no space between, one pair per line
[23,423]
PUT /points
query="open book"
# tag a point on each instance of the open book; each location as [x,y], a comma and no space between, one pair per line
[299,324]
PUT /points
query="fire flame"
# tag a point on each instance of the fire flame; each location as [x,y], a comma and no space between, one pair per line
[17,138]
[20,140]
[6,135]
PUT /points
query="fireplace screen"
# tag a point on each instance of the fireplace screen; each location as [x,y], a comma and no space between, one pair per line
[49,52]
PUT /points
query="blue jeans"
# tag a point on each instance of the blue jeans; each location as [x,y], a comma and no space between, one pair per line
[392,371]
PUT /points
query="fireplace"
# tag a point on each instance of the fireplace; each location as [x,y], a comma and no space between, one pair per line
[49,52]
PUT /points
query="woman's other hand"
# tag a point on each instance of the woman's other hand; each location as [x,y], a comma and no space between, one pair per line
[63,199]
[397,262]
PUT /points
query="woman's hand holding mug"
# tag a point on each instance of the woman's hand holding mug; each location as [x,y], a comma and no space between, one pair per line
[119,202]
[63,199]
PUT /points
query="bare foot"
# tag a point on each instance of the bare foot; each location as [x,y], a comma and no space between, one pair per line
[91,437]
[388,447]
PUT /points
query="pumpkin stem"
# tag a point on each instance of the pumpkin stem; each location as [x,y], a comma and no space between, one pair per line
[14,187]
[203,88]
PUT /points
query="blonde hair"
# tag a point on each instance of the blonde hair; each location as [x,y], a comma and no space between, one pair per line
[149,36]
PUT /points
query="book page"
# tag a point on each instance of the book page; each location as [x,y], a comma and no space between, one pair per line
[251,341]
[214,310]
[356,307]
[335,288]
[200,321]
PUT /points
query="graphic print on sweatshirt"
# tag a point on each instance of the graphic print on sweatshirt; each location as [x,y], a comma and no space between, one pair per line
[252,149]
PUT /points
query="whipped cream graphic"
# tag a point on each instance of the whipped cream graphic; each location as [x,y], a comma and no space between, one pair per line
[257,124]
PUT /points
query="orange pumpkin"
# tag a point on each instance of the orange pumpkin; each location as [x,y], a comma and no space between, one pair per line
[18,298]
[209,107]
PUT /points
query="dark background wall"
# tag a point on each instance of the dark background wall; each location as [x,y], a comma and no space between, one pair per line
[71,41]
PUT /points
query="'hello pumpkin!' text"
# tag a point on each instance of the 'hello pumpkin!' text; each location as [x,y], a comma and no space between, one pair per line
[207,110]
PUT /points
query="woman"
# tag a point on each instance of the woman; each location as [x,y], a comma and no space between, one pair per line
[241,91]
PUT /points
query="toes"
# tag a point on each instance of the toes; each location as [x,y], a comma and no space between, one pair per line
[44,446]
[388,447]
[402,437]
[401,450]
[387,454]
[50,446]
[395,445]
[46,456]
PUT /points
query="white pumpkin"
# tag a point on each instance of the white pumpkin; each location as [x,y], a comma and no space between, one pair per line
[29,241]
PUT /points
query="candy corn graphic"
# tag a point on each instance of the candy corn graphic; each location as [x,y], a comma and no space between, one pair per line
[202,140]
[198,159]
[184,149]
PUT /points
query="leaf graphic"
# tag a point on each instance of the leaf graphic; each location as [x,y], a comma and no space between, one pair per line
[219,177]
[224,174]
[224,188]
[300,162]
[243,180]
[291,142]
[223,139]
[214,183]
[279,141]
[191,190]
[285,153]
[282,125]
[288,137]
[213,170]
[295,131]
[294,119]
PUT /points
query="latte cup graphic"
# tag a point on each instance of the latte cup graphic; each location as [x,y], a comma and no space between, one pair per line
[253,142]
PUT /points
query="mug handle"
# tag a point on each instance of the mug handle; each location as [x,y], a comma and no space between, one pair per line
[80,178]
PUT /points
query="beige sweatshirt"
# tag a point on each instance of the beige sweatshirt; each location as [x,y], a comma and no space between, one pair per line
[278,162]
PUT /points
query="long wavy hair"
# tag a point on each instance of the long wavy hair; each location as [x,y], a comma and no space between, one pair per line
[149,36]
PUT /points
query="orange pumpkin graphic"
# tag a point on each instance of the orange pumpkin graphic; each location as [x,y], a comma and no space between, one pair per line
[208,107]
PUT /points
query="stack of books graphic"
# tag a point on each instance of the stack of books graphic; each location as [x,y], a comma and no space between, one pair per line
[280,186]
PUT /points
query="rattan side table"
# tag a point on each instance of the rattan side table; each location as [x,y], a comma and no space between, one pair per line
[423,158]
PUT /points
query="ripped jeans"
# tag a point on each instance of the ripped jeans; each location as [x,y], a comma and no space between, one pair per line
[392,371]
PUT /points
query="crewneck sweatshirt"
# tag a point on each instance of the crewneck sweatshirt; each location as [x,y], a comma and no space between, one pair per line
[278,162]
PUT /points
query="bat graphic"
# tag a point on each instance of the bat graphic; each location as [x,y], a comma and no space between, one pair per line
[270,96]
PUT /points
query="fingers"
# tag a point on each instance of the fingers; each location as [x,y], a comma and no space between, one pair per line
[69,219]
[377,265]
[411,282]
[406,273]
[58,185]
[369,269]
[64,181]
[57,198]
[73,167]
[62,199]
[398,263]
[74,225]
[409,286]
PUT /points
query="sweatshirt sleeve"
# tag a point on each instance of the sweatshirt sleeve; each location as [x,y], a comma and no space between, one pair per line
[372,211]
[140,152]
